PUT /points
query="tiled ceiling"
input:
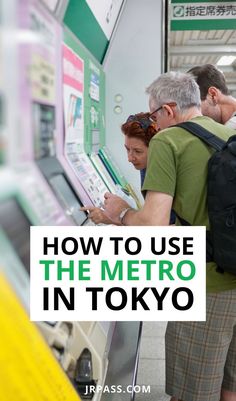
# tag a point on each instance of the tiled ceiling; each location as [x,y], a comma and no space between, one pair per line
[191,48]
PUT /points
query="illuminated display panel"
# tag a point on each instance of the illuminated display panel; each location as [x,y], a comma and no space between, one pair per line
[68,198]
[16,226]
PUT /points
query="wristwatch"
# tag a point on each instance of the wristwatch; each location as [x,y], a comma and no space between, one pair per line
[123,213]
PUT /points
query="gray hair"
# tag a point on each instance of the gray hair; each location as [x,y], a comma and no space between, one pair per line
[175,87]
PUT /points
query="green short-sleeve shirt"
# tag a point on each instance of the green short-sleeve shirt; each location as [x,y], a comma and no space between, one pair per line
[177,165]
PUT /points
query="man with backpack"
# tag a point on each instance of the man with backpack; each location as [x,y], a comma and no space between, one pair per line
[200,356]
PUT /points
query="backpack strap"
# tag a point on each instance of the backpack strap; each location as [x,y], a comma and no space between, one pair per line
[202,133]
[218,144]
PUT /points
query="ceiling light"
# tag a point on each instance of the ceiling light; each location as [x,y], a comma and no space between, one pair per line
[226,60]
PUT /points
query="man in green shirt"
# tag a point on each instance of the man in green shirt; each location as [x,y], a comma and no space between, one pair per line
[200,356]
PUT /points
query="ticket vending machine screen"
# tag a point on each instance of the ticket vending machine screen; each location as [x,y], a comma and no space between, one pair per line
[16,226]
[68,198]
[45,154]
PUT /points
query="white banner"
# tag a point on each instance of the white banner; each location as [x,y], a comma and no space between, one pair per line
[117,273]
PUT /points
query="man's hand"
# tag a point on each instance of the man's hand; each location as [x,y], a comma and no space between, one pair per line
[97,215]
[155,211]
[113,206]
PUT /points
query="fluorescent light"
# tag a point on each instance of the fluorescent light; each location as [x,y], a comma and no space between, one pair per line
[226,60]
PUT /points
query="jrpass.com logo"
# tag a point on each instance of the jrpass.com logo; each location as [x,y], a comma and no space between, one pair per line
[118,389]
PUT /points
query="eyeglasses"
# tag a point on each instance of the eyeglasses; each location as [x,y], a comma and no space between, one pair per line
[171,104]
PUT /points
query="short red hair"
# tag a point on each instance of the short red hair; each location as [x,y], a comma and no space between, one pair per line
[140,126]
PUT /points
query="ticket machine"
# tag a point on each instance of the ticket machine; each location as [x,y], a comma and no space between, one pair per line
[47,175]
[81,348]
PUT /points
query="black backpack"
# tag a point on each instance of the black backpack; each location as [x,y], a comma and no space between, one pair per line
[221,198]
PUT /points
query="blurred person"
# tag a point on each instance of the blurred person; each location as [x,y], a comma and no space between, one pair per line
[216,101]
[200,356]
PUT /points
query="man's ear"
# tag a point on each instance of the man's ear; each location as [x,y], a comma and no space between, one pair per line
[169,110]
[213,94]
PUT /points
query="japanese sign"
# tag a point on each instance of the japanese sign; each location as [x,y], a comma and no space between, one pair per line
[202,15]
